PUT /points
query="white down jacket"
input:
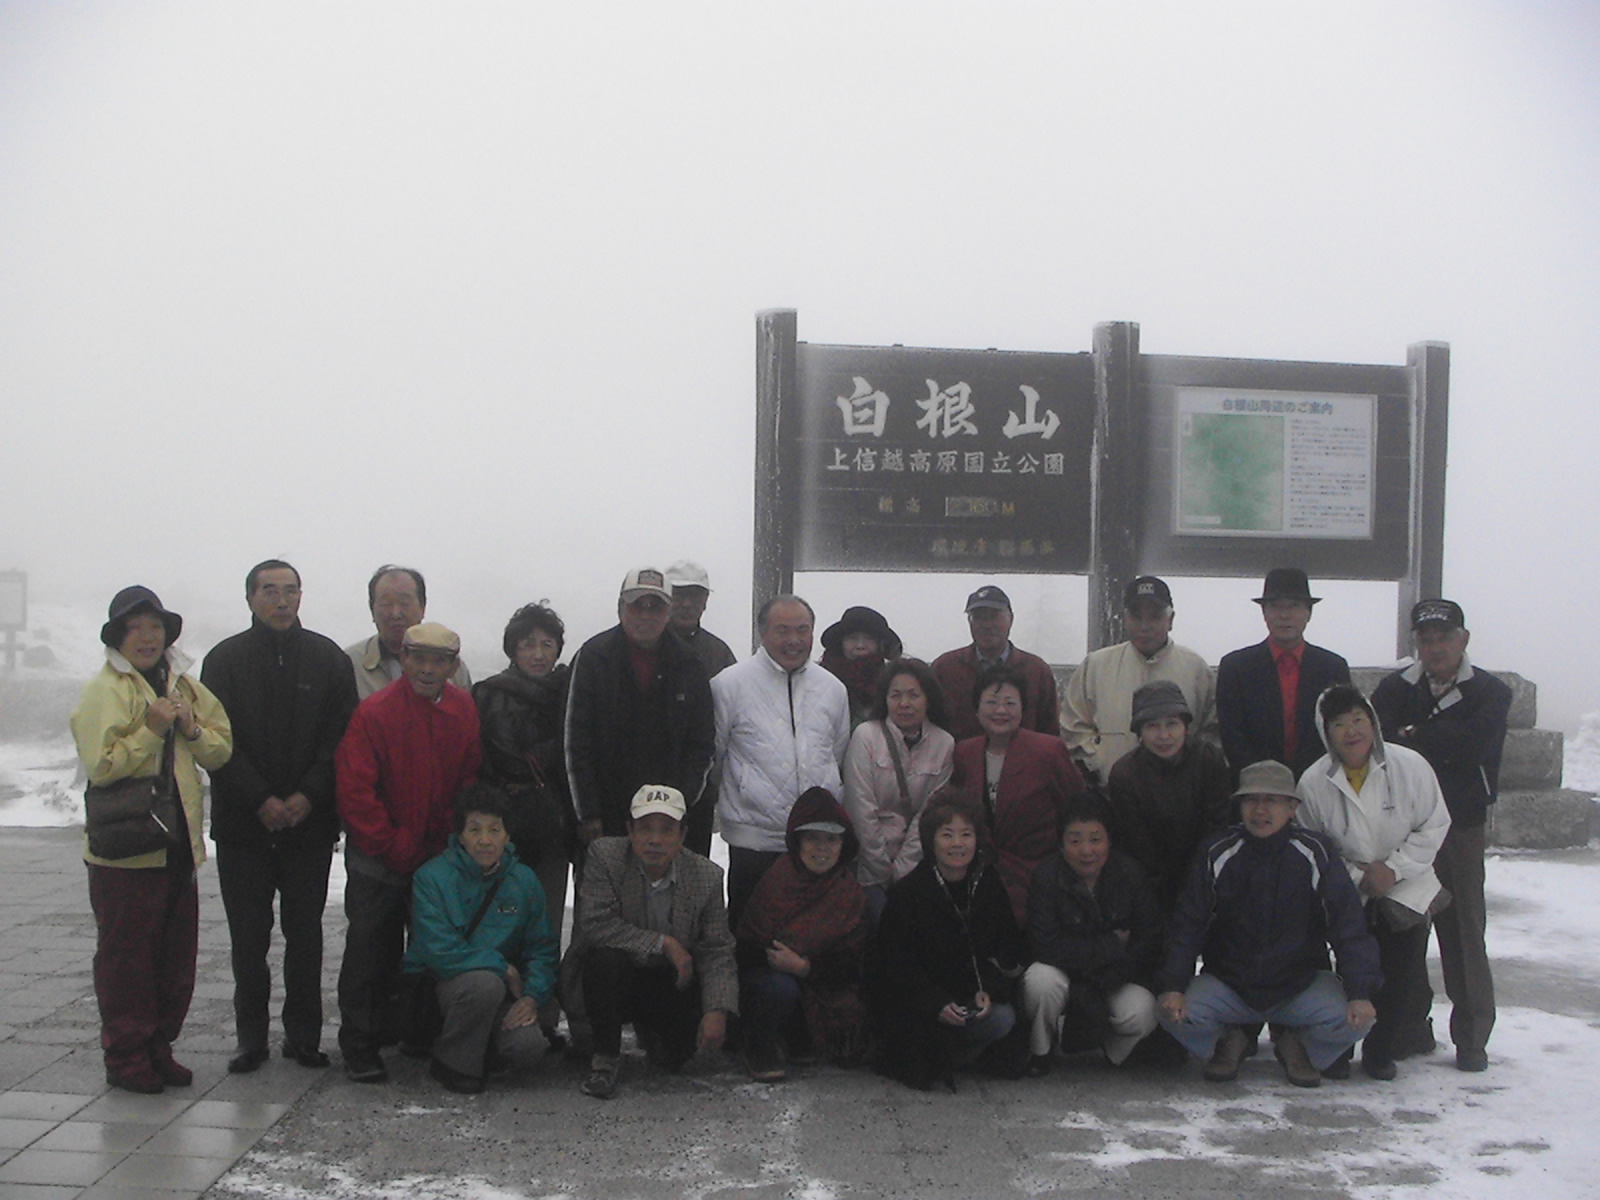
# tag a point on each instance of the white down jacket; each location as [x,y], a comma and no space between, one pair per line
[778,733]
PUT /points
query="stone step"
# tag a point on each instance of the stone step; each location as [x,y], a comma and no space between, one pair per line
[1542,820]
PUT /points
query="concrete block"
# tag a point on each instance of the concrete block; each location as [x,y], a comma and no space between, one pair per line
[1547,820]
[1532,761]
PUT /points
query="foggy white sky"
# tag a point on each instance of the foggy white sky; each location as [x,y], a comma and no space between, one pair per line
[472,286]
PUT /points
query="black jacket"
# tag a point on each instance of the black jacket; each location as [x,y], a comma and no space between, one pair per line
[289,696]
[1263,911]
[1161,810]
[618,740]
[1074,930]
[1461,734]
[1250,705]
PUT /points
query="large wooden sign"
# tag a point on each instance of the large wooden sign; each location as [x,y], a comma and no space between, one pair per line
[930,460]
[1107,463]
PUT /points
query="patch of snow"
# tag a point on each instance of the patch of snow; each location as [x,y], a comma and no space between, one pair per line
[1581,770]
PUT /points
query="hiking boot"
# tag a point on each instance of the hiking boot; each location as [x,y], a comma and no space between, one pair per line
[173,1073]
[1225,1059]
[601,1082]
[1471,1060]
[1297,1068]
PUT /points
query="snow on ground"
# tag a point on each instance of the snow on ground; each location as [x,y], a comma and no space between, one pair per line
[1581,769]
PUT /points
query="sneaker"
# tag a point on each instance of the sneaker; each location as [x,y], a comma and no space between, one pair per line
[1297,1068]
[366,1067]
[766,1066]
[602,1079]
[1231,1049]
[454,1080]
[1471,1060]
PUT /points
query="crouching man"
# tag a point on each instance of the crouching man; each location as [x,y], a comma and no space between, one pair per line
[479,926]
[652,942]
[1263,902]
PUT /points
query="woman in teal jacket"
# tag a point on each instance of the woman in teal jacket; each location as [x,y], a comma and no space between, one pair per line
[479,926]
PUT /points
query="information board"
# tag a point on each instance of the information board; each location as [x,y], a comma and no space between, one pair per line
[1255,463]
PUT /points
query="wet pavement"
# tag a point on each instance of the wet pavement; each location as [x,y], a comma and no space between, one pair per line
[1087,1130]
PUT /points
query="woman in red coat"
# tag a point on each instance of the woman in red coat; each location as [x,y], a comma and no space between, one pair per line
[1021,778]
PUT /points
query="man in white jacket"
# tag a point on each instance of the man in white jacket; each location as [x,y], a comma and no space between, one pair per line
[783,724]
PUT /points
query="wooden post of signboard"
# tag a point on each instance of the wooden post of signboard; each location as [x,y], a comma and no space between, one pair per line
[1430,367]
[1117,470]
[777,469]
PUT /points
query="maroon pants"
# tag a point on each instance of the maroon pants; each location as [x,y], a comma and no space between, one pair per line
[149,929]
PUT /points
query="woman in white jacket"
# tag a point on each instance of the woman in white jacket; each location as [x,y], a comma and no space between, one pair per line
[1383,808]
[898,757]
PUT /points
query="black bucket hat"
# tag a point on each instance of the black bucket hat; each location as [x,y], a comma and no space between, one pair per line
[128,602]
[861,619]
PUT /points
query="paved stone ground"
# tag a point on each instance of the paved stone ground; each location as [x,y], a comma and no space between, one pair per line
[1085,1131]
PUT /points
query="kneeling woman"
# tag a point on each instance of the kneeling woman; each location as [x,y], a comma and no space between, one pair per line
[479,926]
[1094,927]
[800,942]
[951,951]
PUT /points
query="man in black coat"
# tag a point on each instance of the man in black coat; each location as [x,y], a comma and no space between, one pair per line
[1267,693]
[1454,715]
[289,693]
[639,712]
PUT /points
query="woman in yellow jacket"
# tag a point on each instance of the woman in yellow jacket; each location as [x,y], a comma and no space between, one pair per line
[147,908]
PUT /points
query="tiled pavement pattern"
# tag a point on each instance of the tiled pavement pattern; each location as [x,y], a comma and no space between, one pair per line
[63,1132]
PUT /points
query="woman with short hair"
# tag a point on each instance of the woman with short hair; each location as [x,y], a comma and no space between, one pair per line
[143,715]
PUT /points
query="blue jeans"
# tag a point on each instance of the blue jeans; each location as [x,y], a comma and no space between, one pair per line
[1316,1014]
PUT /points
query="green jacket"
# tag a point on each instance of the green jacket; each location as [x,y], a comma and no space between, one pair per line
[445,893]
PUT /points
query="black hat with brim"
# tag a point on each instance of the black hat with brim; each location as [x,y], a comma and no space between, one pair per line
[129,602]
[1287,583]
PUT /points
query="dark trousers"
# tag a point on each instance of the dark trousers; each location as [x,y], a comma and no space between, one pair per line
[251,876]
[148,922]
[745,869]
[1406,996]
[1463,957]
[770,1011]
[617,991]
[378,914]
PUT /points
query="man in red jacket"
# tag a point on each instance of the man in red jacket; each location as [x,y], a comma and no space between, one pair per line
[989,618]
[409,748]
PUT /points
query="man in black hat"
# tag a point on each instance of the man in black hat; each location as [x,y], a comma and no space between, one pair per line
[1454,715]
[1267,693]
[290,693]
[989,619]
[1097,714]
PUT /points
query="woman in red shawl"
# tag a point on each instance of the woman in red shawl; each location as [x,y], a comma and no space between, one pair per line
[799,946]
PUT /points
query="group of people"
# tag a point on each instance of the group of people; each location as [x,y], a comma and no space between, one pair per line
[930,866]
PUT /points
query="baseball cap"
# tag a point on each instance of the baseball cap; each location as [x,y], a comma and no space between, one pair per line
[684,573]
[1438,612]
[988,596]
[1147,587]
[657,798]
[645,581]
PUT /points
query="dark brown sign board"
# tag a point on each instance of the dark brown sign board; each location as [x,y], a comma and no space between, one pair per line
[943,460]
[1107,463]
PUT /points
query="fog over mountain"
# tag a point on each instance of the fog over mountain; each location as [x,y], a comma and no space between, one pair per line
[472,287]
